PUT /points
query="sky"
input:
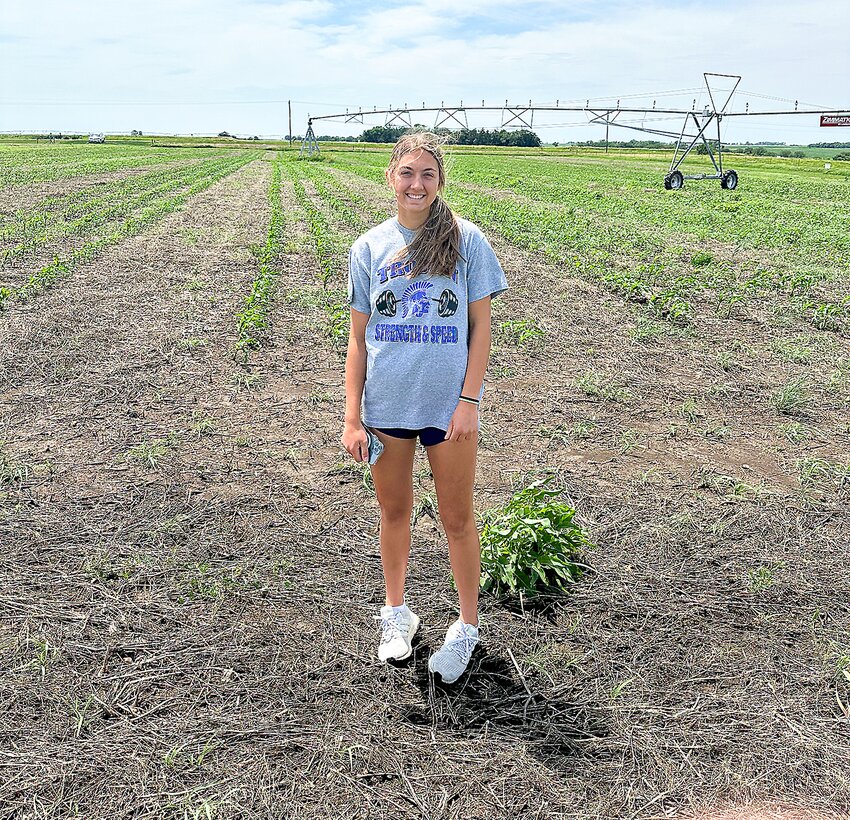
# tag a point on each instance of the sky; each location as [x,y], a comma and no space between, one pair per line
[193,67]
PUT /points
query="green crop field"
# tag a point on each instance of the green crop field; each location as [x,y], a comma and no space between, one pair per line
[190,565]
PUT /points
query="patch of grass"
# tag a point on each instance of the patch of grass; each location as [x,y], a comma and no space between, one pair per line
[350,467]
[647,330]
[824,476]
[724,360]
[202,424]
[81,714]
[619,688]
[191,343]
[592,383]
[793,352]
[761,578]
[204,582]
[11,471]
[153,453]
[716,432]
[194,285]
[630,440]
[731,488]
[427,505]
[829,315]
[792,399]
[182,757]
[247,381]
[532,543]
[795,431]
[701,258]
[43,654]
[318,398]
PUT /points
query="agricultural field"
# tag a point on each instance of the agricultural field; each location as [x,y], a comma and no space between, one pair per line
[189,563]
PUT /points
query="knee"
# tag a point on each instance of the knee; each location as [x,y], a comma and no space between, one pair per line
[458,523]
[396,512]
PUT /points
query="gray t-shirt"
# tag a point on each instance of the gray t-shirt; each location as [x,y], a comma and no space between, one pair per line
[417,335]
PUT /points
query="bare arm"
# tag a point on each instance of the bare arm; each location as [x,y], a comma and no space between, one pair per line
[353,435]
[464,420]
[480,339]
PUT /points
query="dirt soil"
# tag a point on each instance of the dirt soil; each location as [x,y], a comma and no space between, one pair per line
[190,569]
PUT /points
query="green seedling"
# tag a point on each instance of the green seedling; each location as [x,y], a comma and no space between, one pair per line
[795,431]
[520,331]
[690,411]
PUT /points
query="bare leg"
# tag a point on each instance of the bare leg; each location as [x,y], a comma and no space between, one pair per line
[393,477]
[453,466]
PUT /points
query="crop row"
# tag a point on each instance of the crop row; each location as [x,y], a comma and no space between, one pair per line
[82,214]
[131,226]
[327,242]
[350,207]
[331,249]
[806,215]
[253,319]
[646,268]
[69,204]
[46,164]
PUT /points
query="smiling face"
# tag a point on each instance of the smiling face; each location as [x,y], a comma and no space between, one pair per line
[416,182]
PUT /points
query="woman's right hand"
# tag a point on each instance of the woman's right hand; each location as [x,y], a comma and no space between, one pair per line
[354,440]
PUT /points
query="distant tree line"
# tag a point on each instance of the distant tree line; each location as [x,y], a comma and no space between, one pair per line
[621,144]
[466,136]
[829,145]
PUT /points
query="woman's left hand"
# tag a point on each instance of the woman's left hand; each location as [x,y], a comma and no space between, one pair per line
[464,422]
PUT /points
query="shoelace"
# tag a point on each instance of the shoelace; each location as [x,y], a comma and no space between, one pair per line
[462,645]
[389,627]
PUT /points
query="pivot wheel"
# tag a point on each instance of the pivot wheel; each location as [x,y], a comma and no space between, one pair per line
[729,181]
[674,180]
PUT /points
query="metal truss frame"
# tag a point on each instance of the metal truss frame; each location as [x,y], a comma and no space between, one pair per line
[522,116]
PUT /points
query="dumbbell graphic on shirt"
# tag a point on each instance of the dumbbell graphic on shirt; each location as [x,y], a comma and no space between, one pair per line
[416,301]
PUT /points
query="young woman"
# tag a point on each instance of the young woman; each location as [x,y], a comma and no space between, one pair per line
[419,288]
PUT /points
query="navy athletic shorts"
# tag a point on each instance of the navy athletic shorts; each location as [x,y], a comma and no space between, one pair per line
[429,436]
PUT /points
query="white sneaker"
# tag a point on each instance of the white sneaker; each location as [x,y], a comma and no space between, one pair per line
[398,626]
[452,658]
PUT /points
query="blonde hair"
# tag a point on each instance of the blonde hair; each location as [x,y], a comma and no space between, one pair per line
[435,249]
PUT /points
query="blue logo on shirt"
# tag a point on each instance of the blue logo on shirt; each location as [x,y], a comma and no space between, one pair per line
[415,300]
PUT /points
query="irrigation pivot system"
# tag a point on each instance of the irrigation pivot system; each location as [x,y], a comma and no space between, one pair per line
[695,124]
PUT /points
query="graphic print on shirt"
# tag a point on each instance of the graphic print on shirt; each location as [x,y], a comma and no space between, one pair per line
[415,300]
[396,269]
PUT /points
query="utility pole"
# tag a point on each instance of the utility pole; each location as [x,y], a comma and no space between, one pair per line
[289,103]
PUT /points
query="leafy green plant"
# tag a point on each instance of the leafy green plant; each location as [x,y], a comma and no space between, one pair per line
[532,543]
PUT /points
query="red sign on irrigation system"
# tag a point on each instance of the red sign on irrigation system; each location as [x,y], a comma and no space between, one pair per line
[834,119]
